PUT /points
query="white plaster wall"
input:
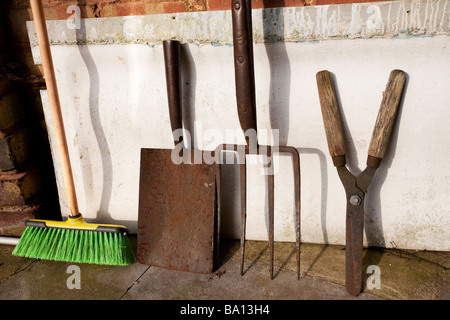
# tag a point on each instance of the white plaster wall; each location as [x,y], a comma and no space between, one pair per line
[114,103]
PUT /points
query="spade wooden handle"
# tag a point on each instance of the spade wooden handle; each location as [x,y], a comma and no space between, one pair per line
[387,114]
[331,117]
[171,50]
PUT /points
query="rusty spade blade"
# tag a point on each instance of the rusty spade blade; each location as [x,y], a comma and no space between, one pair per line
[178,191]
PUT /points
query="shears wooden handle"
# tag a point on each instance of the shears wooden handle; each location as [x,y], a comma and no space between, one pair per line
[387,114]
[384,124]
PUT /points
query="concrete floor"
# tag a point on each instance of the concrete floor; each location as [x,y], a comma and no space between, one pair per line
[404,275]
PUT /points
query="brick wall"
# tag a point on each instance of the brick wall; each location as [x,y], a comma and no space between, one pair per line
[27,183]
[57,9]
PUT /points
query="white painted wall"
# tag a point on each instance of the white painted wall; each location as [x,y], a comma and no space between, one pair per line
[114,103]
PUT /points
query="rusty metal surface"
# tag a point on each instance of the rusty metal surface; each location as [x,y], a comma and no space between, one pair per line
[243,189]
[246,107]
[171,50]
[271,203]
[178,206]
[271,198]
[243,63]
[355,189]
[178,212]
[296,165]
[268,151]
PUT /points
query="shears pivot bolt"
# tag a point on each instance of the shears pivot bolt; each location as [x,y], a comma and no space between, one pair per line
[355,200]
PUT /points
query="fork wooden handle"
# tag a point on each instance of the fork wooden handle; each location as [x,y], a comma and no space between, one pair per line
[241,13]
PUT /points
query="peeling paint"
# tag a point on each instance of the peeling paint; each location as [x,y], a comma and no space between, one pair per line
[290,24]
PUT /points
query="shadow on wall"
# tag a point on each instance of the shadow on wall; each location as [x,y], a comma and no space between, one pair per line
[280,69]
[97,126]
[280,75]
[94,87]
[279,93]
[188,85]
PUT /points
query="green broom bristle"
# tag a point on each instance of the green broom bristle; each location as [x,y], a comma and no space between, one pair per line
[95,247]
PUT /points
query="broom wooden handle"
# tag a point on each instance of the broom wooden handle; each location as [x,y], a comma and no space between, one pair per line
[52,90]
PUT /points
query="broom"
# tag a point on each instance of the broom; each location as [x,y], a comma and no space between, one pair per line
[72,240]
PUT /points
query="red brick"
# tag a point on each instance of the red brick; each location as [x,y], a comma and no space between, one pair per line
[154,8]
[256,4]
[196,5]
[33,100]
[3,35]
[12,219]
[174,7]
[214,5]
[11,109]
[57,12]
[24,57]
[17,23]
[130,9]
[15,148]
[324,2]
[18,189]
[5,86]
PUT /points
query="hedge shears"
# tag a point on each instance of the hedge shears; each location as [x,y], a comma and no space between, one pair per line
[356,186]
